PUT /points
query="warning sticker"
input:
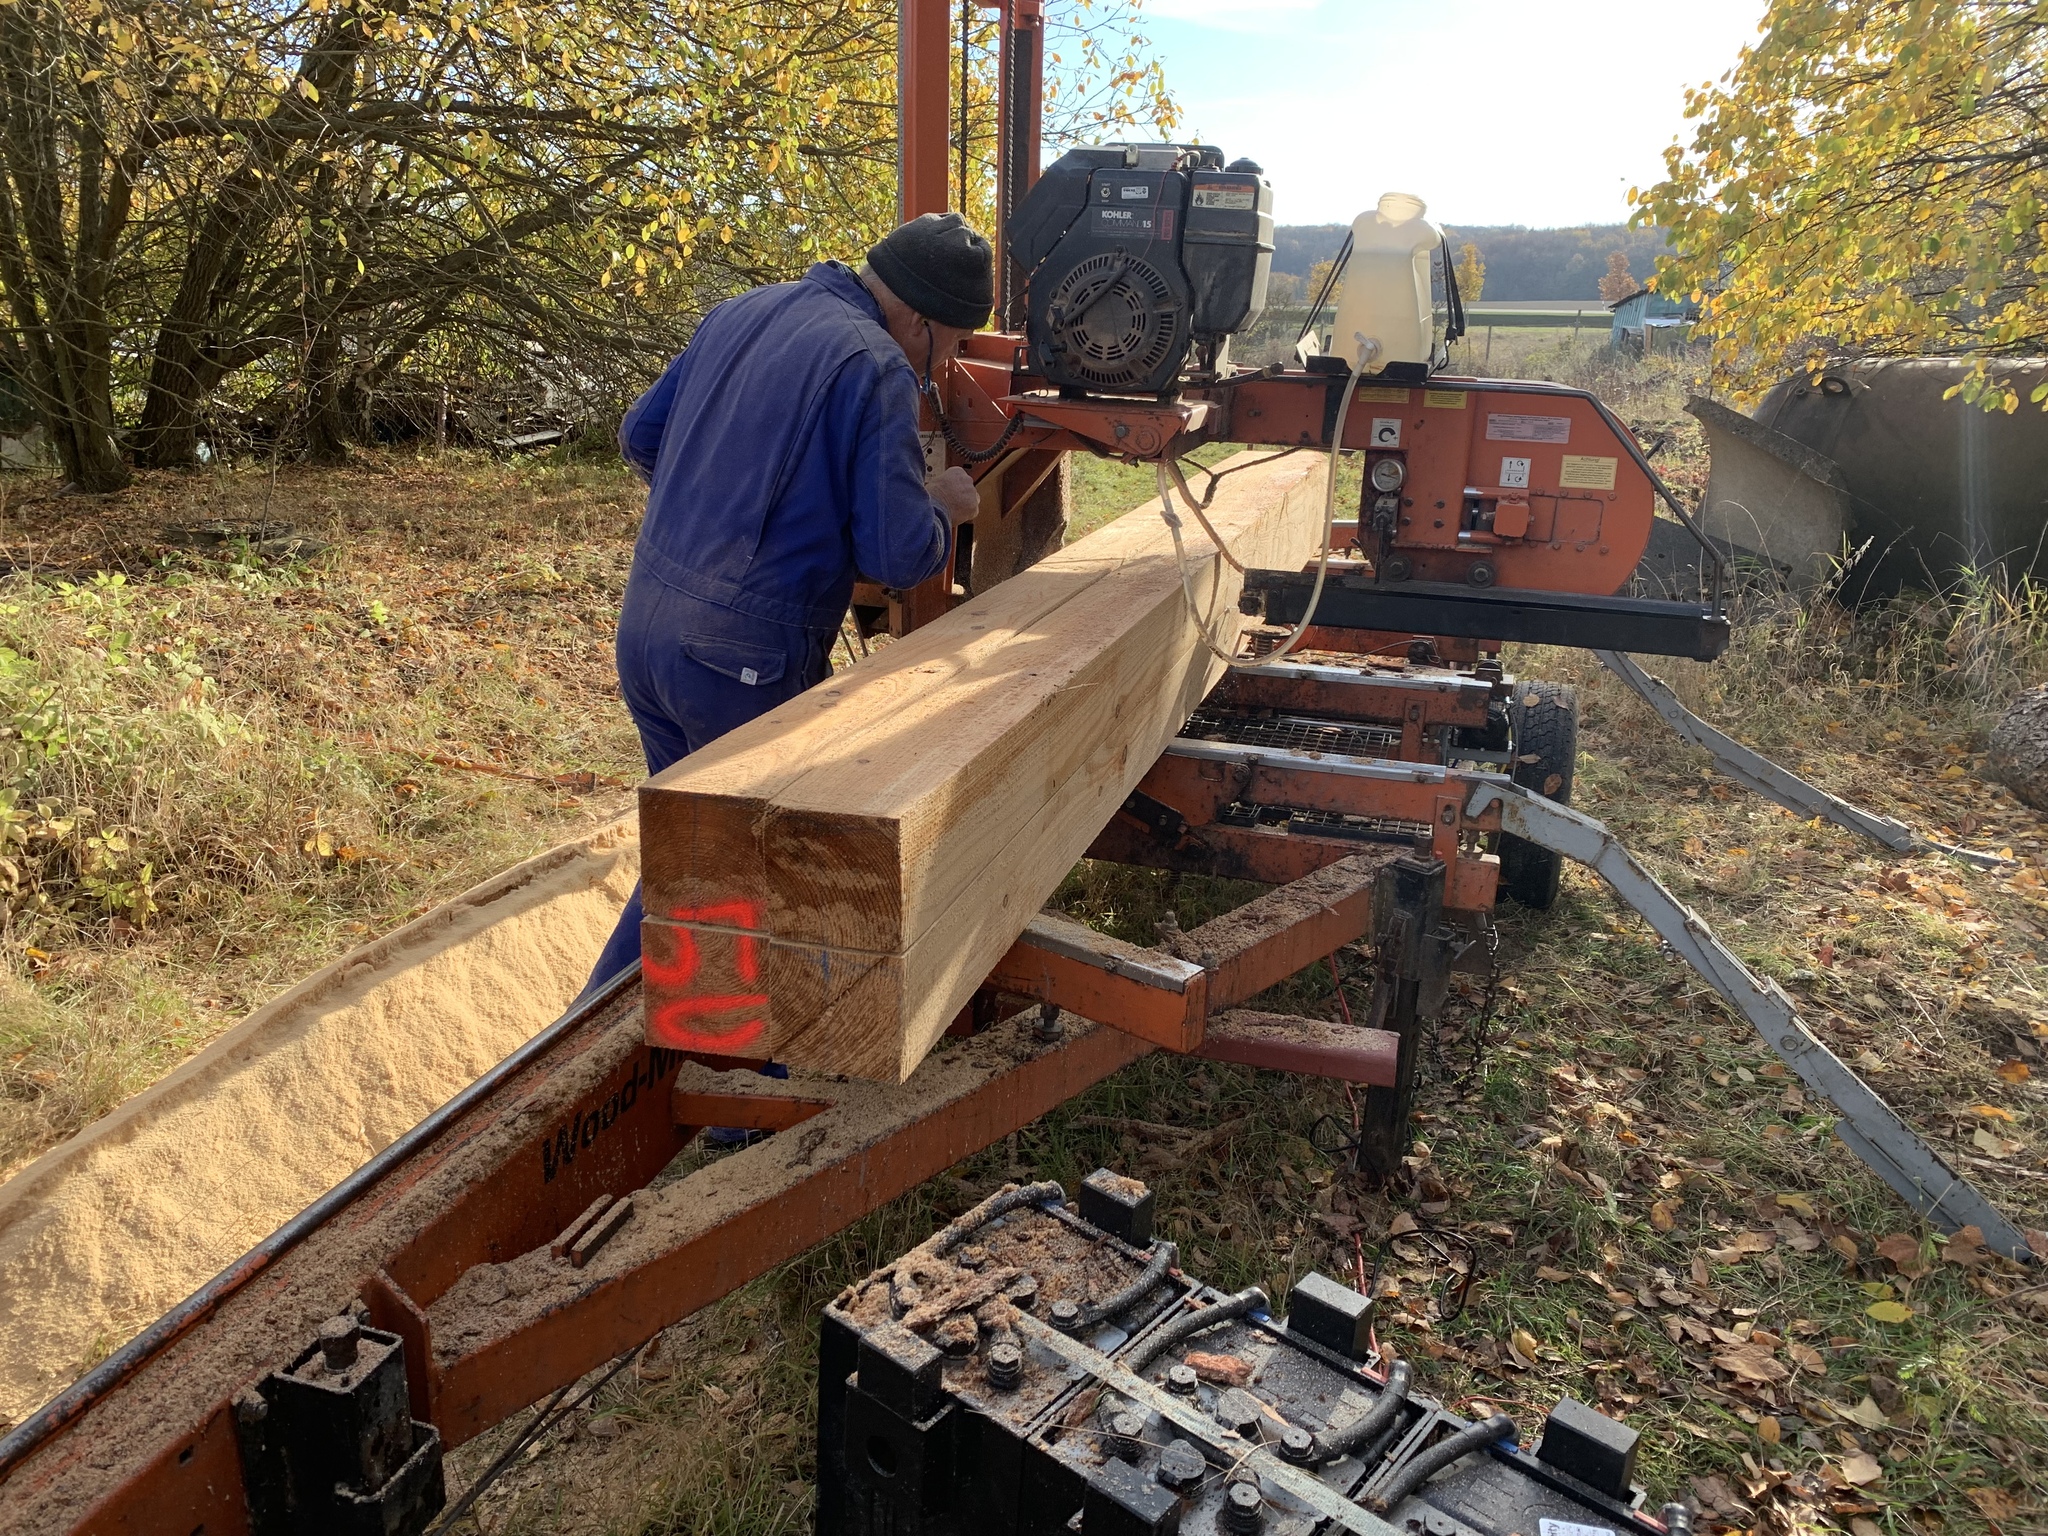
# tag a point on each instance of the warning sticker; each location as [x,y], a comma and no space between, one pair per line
[1223,195]
[1514,474]
[1386,432]
[1446,399]
[1383,394]
[1551,1527]
[1585,472]
[1529,429]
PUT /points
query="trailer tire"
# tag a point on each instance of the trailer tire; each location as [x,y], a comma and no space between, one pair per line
[1543,721]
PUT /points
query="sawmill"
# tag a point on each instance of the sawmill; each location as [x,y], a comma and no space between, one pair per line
[1255,675]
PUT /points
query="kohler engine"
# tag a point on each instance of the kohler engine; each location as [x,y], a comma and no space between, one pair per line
[1132,254]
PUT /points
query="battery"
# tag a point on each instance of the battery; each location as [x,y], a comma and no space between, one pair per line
[1026,1372]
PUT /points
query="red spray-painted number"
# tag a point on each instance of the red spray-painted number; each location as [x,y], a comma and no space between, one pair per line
[688,1020]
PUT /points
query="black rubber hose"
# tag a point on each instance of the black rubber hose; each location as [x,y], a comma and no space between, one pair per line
[1164,1255]
[1427,1464]
[1250,1299]
[1001,1203]
[1368,1425]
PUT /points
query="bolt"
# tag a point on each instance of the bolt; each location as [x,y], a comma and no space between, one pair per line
[1005,1367]
[1298,1446]
[1180,1467]
[973,1256]
[1066,1316]
[905,1297]
[1244,1510]
[1181,1379]
[1023,1293]
[339,1337]
[1127,1436]
[1049,1021]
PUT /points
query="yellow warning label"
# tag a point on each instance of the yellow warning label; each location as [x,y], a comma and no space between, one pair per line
[1384,394]
[1449,399]
[1586,472]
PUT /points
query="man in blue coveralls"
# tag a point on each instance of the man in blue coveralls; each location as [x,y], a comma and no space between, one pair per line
[782,457]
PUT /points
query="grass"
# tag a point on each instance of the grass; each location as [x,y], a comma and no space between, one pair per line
[1621,1129]
[218,771]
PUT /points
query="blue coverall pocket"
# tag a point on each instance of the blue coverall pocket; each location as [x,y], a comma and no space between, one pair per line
[754,665]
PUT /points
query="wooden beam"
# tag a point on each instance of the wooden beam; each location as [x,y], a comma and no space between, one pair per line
[829,884]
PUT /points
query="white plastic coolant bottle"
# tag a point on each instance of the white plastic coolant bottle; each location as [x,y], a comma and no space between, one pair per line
[1385,315]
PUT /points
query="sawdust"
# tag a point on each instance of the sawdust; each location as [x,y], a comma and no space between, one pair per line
[107,1230]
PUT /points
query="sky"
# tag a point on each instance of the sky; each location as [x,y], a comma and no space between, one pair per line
[1542,112]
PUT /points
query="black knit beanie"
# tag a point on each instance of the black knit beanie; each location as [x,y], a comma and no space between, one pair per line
[939,267]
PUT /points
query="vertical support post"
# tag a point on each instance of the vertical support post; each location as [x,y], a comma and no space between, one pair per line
[1021,111]
[923,49]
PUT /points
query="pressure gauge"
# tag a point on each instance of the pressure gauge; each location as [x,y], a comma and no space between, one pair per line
[1388,474]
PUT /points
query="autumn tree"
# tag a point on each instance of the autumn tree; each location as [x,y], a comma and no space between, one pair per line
[287,204]
[1471,270]
[1870,179]
[1617,282]
[87,94]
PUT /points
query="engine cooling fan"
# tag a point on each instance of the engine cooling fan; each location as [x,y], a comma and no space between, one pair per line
[1116,321]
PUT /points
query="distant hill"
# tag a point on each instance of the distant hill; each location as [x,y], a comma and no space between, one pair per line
[1520,263]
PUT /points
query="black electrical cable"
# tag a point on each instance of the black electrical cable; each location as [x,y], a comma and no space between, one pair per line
[550,1414]
[1164,1254]
[1418,1469]
[1368,1425]
[1337,266]
[1250,1299]
[1001,1203]
[977,455]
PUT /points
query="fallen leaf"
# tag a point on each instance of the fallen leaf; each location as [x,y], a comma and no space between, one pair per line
[1863,1526]
[1767,1428]
[1744,1244]
[1966,1247]
[2015,1071]
[1861,1468]
[1546,1272]
[1807,1358]
[1904,1253]
[1990,1112]
[1993,1146]
[1993,1503]
[1403,1225]
[717,1394]
[1845,1245]
[1866,1413]
[1889,1311]
[1752,1362]
[1522,1348]
[1664,1215]
[1798,1205]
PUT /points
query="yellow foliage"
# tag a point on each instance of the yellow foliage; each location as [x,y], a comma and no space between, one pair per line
[1868,178]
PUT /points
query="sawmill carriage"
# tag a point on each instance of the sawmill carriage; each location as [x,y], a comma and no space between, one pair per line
[1346,734]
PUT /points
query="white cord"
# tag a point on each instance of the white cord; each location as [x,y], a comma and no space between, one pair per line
[1187,586]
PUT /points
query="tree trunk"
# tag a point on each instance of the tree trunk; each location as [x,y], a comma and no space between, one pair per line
[327,431]
[64,198]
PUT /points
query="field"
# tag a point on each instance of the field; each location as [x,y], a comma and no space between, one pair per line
[1646,1211]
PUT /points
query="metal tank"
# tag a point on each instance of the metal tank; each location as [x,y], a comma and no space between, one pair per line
[1938,486]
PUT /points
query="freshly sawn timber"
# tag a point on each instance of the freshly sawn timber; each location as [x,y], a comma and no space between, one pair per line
[829,884]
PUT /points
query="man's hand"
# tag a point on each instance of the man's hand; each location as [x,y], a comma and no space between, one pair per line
[953,490]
